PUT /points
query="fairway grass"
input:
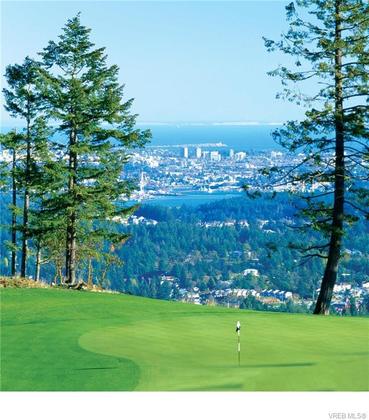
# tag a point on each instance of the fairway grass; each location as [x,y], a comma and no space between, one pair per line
[78,341]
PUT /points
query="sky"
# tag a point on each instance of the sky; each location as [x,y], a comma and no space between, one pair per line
[199,61]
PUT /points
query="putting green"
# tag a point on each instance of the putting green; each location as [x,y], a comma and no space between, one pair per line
[199,353]
[64,340]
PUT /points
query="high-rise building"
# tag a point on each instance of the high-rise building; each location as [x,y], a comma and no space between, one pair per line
[231,153]
[143,182]
[240,156]
[185,152]
[198,152]
[215,155]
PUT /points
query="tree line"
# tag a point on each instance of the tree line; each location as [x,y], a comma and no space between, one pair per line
[64,167]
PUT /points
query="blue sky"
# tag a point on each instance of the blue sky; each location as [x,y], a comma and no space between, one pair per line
[181,61]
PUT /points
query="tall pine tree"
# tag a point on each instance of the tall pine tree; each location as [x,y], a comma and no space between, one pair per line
[23,100]
[329,45]
[85,99]
[11,143]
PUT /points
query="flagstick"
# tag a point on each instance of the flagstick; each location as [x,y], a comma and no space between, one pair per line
[238,331]
[239,349]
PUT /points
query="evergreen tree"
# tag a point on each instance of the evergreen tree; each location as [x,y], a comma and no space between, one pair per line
[11,143]
[85,99]
[23,100]
[331,46]
[46,180]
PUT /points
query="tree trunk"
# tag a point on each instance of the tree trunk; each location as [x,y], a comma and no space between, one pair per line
[14,217]
[72,216]
[67,253]
[38,262]
[335,245]
[73,243]
[58,271]
[25,234]
[89,273]
[26,204]
[60,274]
[55,275]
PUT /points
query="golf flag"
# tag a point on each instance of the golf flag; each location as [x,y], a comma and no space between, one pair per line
[238,327]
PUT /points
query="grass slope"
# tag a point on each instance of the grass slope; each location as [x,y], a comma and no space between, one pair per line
[66,340]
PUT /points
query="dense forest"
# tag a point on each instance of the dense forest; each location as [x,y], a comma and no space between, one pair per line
[214,243]
[210,247]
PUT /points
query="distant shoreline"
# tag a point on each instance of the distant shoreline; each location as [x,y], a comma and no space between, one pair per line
[240,137]
[190,199]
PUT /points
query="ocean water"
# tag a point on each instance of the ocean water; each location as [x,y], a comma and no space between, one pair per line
[191,199]
[238,137]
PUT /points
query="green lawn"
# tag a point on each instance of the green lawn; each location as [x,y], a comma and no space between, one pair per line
[68,340]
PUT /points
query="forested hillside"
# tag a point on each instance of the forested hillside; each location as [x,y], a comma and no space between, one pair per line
[211,246]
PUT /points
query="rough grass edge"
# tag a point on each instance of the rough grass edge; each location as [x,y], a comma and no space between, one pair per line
[24,283]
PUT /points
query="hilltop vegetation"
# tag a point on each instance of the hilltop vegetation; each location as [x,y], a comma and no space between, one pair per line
[216,242]
[211,245]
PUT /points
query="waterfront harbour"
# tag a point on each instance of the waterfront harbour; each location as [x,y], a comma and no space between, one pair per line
[192,174]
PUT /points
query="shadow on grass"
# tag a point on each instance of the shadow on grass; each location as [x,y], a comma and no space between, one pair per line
[223,387]
[274,365]
[98,368]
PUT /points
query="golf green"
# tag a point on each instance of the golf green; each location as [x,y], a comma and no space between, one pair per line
[68,340]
